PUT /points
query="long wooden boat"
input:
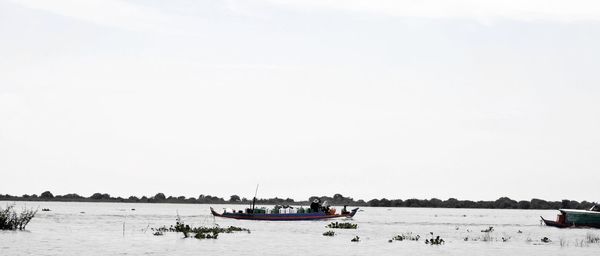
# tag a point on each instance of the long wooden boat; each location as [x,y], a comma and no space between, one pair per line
[282,216]
[576,218]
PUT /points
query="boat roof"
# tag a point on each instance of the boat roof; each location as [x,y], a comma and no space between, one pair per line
[579,211]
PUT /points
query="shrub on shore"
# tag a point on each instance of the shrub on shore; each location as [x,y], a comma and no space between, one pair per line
[11,220]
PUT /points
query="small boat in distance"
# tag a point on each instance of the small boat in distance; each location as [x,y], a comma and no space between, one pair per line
[265,215]
[576,218]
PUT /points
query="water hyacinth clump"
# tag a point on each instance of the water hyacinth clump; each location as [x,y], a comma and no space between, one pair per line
[198,232]
[342,225]
[11,220]
[212,235]
[406,236]
[329,233]
[434,241]
[164,229]
[490,229]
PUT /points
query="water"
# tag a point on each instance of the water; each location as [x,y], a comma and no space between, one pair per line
[115,229]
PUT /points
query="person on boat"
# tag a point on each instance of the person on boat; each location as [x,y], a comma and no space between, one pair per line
[344,211]
[325,206]
[315,206]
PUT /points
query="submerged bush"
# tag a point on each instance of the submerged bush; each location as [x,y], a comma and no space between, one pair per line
[10,220]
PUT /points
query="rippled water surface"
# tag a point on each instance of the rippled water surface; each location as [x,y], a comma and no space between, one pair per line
[116,229]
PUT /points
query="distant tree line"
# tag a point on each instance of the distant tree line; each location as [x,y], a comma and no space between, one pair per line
[337,199]
[500,203]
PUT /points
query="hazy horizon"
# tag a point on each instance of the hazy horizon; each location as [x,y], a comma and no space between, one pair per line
[395,99]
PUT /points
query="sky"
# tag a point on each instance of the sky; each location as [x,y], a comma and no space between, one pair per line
[397,99]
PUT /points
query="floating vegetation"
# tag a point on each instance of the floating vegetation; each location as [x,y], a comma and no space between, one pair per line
[406,236]
[197,232]
[342,225]
[355,239]
[436,241]
[212,235]
[45,210]
[164,229]
[484,238]
[490,229]
[329,233]
[10,220]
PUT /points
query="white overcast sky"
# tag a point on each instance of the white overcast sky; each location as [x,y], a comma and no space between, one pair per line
[396,99]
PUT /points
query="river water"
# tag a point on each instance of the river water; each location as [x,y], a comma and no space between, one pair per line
[116,229]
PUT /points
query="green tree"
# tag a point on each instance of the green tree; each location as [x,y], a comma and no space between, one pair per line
[96,196]
[47,194]
[234,198]
[160,196]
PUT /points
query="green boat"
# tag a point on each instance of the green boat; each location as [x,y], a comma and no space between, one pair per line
[576,218]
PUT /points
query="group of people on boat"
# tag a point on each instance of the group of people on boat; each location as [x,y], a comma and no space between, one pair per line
[317,206]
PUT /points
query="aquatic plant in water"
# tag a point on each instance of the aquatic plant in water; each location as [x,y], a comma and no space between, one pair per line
[329,233]
[342,225]
[212,235]
[406,236]
[490,229]
[198,232]
[10,220]
[563,242]
[592,238]
[434,241]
